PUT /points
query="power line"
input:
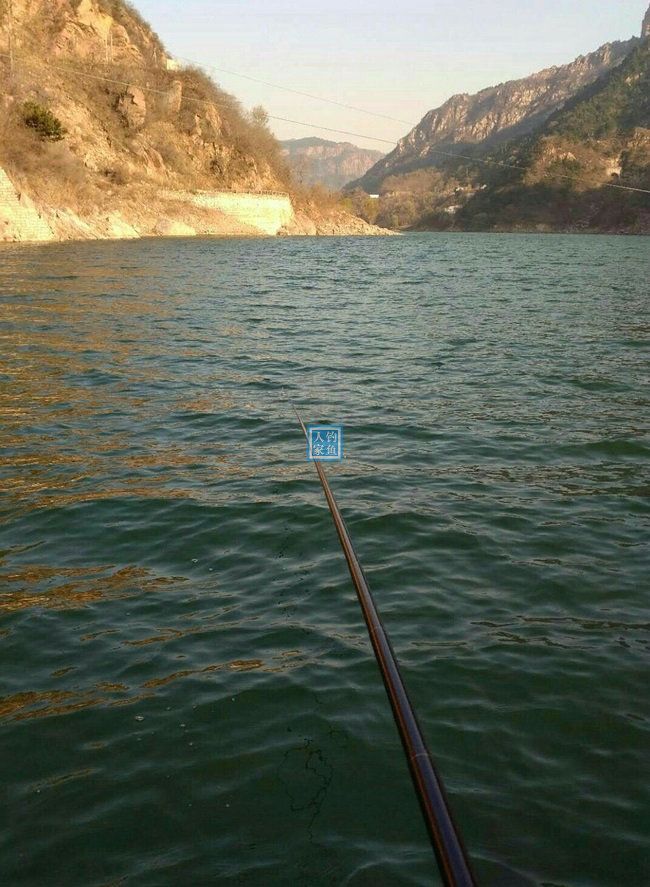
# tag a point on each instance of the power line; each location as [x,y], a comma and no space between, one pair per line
[482,160]
[342,132]
[206,102]
[10,11]
[307,95]
[485,161]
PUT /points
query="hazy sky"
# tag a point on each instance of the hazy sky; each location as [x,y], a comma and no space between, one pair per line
[399,58]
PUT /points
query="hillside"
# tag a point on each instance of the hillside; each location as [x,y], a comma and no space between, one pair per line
[104,135]
[601,137]
[466,123]
[555,177]
[315,161]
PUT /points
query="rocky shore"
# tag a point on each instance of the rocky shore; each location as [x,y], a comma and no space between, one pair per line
[104,136]
[149,212]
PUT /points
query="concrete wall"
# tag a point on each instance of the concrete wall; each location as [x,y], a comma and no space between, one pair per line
[19,219]
[265,212]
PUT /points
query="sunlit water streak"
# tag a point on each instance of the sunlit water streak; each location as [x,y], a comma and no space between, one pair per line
[187,694]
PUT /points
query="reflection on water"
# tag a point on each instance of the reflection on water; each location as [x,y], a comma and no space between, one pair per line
[88,585]
[187,691]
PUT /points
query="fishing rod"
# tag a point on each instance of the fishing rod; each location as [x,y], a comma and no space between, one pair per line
[446,840]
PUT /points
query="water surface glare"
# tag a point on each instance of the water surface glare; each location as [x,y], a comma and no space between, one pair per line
[187,692]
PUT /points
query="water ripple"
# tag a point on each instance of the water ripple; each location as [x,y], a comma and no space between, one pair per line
[188,693]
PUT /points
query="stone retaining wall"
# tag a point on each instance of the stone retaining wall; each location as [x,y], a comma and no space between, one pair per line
[253,213]
[19,218]
[266,212]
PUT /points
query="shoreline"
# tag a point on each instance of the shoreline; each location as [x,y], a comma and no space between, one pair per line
[347,236]
[149,211]
[190,238]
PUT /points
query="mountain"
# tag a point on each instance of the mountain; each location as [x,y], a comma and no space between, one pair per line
[103,135]
[520,168]
[317,161]
[558,177]
[493,115]
[102,71]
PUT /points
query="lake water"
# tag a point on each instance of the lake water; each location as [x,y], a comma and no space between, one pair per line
[187,693]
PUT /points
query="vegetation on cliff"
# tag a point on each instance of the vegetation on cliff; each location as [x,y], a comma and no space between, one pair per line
[97,118]
[97,70]
[601,138]
[558,177]
[43,121]
[465,123]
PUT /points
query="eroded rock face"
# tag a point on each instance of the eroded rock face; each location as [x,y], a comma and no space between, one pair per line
[89,15]
[205,125]
[20,219]
[86,29]
[213,121]
[495,114]
[115,227]
[173,99]
[645,27]
[332,164]
[89,31]
[132,105]
[150,159]
[333,224]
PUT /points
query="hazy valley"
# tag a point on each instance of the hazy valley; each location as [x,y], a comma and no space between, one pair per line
[333,165]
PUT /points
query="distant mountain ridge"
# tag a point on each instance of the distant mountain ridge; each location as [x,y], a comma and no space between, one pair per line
[315,161]
[536,154]
[493,115]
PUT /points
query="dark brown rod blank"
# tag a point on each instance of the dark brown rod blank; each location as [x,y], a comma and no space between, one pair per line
[446,840]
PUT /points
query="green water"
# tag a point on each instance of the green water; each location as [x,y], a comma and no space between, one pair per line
[187,693]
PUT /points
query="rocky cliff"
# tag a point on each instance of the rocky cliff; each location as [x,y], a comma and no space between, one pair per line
[560,177]
[330,164]
[565,149]
[587,168]
[493,115]
[102,135]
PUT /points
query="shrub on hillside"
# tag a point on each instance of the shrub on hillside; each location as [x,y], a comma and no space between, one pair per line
[128,16]
[43,121]
[358,203]
[248,134]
